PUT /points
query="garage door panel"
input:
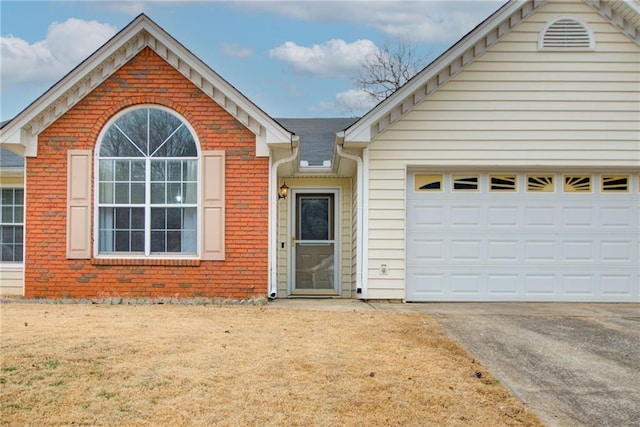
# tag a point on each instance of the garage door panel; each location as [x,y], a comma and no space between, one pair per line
[616,218]
[578,217]
[619,285]
[540,217]
[484,246]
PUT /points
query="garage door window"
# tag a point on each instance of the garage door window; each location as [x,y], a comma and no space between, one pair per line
[431,182]
[504,183]
[615,183]
[540,183]
[465,182]
[577,183]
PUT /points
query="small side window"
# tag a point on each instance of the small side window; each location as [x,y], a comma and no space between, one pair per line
[577,183]
[428,182]
[540,183]
[615,183]
[503,183]
[465,182]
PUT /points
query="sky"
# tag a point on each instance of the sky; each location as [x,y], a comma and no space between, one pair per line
[291,58]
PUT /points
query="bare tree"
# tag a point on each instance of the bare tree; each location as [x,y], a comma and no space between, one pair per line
[386,70]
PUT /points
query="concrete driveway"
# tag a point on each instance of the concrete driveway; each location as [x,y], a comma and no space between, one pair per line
[573,364]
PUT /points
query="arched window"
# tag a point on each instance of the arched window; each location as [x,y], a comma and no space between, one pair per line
[147,185]
[566,33]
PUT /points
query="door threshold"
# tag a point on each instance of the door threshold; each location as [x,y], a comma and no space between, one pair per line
[313,294]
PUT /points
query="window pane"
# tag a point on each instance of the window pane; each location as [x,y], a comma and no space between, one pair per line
[174,170]
[122,193]
[134,125]
[123,218]
[174,193]
[189,193]
[115,144]
[162,125]
[174,219]
[181,144]
[18,214]
[122,170]
[107,168]
[106,193]
[158,170]
[137,170]
[122,241]
[189,240]
[314,218]
[6,234]
[174,239]
[158,219]
[18,196]
[137,241]
[137,218]
[190,170]
[157,241]
[137,193]
[7,197]
[7,214]
[157,194]
[17,253]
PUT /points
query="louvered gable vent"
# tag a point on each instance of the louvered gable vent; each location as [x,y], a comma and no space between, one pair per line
[566,34]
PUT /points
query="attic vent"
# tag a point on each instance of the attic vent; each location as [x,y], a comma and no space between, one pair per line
[566,33]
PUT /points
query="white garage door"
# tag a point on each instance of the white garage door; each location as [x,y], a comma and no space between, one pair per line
[523,237]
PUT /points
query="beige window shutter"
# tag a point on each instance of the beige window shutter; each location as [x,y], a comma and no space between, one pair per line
[79,204]
[213,205]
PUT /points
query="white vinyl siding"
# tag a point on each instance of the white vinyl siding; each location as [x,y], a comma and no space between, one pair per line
[515,106]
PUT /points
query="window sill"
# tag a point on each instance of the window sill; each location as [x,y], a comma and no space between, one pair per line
[146,261]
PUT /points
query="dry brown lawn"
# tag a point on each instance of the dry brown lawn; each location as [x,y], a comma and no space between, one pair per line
[71,364]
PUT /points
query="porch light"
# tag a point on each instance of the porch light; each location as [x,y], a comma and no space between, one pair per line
[283,191]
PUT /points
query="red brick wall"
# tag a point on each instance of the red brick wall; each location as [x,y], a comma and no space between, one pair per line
[150,80]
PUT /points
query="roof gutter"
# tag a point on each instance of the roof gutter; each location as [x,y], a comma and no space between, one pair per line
[273,216]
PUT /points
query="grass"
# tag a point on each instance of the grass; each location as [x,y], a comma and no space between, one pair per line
[239,365]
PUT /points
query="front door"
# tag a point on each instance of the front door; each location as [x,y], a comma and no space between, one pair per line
[314,248]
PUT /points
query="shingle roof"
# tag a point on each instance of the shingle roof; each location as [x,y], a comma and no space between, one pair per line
[10,160]
[317,136]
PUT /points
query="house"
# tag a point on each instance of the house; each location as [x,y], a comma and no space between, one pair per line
[507,170]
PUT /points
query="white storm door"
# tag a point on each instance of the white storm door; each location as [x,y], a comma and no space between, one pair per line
[314,244]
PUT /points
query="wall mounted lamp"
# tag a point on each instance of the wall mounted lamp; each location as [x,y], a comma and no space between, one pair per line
[283,191]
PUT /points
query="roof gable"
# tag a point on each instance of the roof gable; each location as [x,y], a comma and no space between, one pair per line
[21,133]
[623,16]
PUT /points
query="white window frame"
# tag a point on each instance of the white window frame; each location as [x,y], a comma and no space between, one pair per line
[148,206]
[16,186]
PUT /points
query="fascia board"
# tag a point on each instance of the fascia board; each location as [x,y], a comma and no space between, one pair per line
[361,130]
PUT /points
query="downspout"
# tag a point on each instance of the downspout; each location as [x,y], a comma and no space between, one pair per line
[361,288]
[273,217]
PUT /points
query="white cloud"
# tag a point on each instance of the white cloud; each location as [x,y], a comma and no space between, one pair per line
[406,21]
[335,58]
[354,103]
[65,46]
[235,50]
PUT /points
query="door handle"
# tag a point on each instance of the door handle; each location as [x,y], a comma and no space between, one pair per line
[293,241]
